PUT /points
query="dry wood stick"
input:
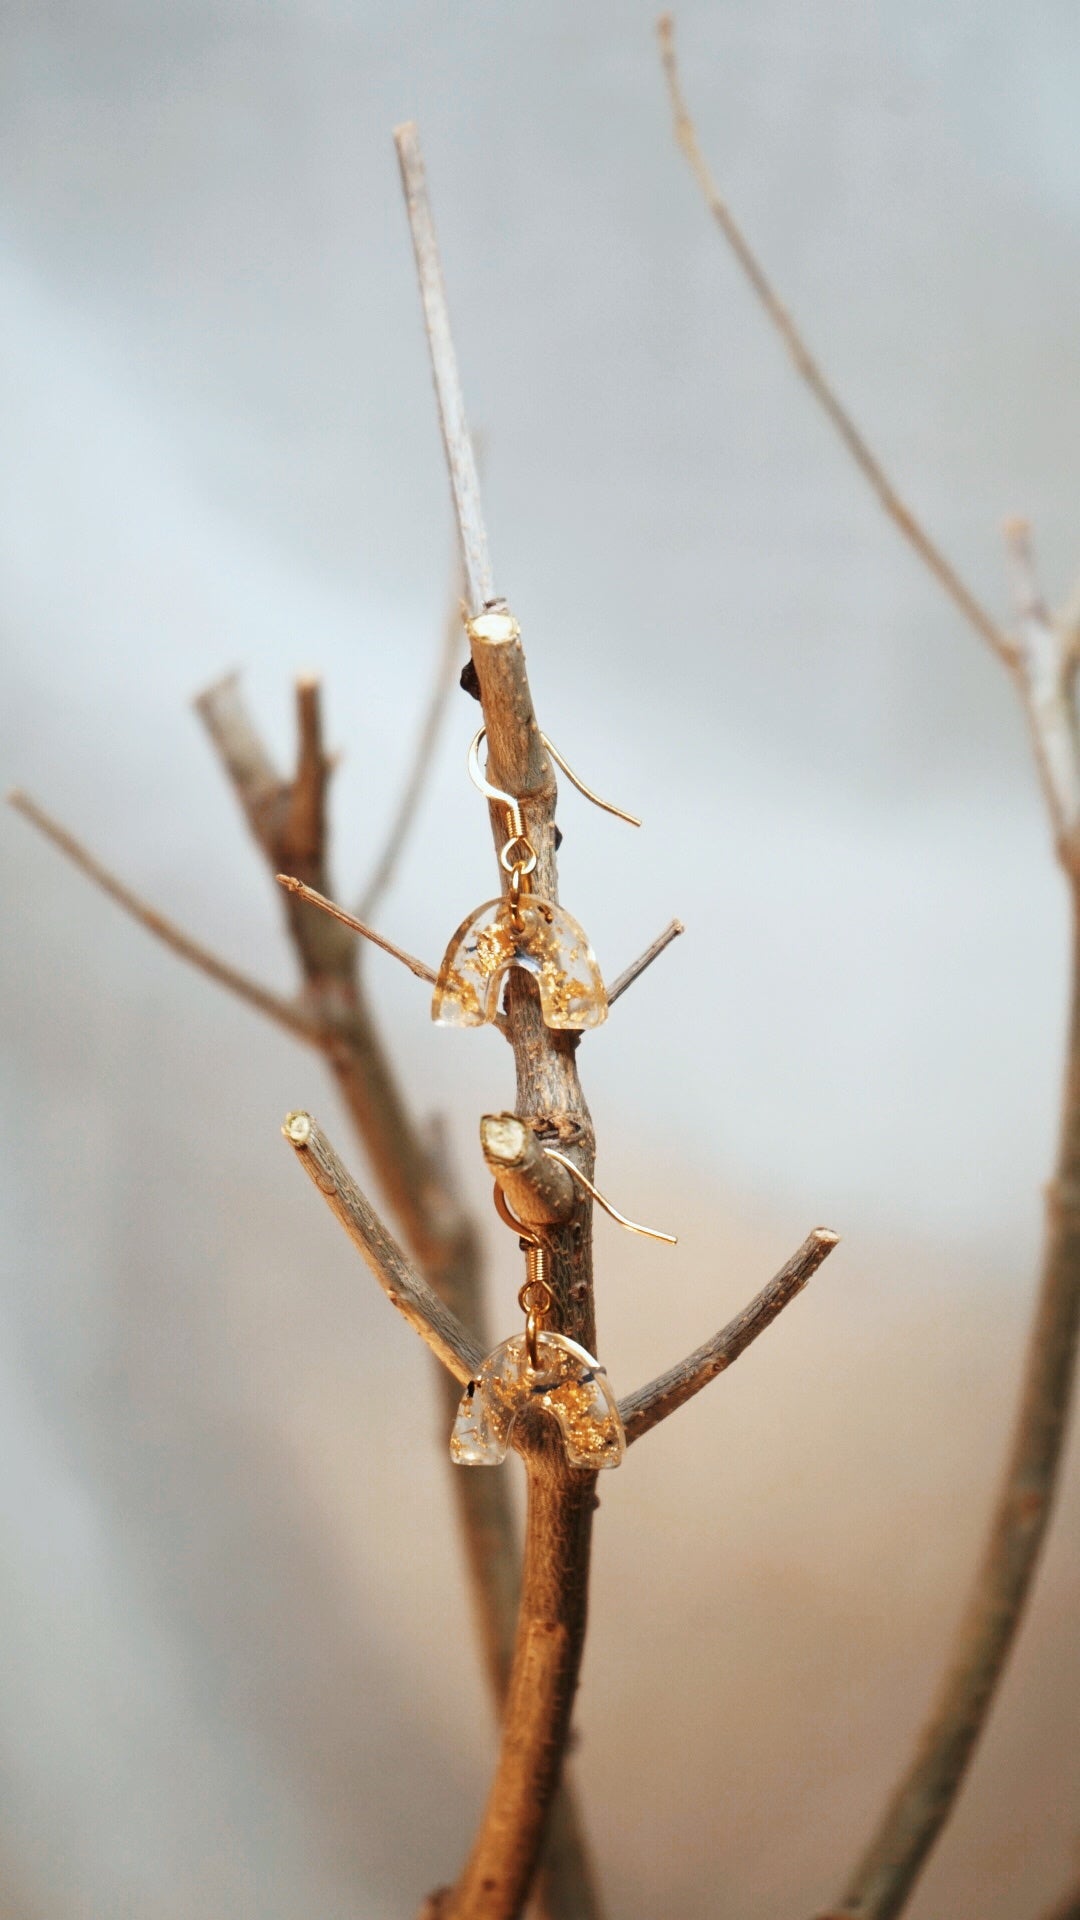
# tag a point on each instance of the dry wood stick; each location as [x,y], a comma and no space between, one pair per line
[418,1303]
[649,1405]
[296,1020]
[316,899]
[865,459]
[457,440]
[413,1177]
[551,1619]
[638,966]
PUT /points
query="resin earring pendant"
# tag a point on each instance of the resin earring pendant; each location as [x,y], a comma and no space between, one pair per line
[537,1368]
[565,1381]
[542,939]
[521,930]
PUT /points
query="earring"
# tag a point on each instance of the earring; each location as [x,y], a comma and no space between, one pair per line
[520,929]
[542,1366]
[538,1367]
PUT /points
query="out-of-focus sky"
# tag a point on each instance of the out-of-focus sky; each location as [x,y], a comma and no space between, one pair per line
[226,1610]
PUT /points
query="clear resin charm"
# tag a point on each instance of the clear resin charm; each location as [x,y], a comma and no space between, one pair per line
[568,1382]
[543,939]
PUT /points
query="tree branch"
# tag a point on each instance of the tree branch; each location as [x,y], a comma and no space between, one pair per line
[547,1647]
[649,1405]
[301,1024]
[457,441]
[418,1303]
[866,461]
[638,966]
[292,885]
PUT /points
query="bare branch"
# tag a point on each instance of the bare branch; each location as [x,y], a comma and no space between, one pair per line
[286,1014]
[258,784]
[316,899]
[405,813]
[414,1299]
[551,1618]
[866,461]
[649,1405]
[457,441]
[923,1800]
[304,828]
[536,1188]
[1047,670]
[638,966]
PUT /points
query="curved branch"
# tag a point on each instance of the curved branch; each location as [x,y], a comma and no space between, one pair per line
[867,462]
[921,1803]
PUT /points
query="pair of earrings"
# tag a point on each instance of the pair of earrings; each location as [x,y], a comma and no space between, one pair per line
[543,1367]
[521,929]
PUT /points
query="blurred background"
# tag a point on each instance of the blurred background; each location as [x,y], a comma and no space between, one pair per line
[237,1673]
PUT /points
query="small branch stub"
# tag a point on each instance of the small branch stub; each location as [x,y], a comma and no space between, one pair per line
[537,1188]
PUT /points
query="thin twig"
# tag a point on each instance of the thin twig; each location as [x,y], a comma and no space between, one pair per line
[283,1012]
[807,366]
[316,899]
[638,966]
[405,812]
[649,1405]
[551,1619]
[457,440]
[418,1303]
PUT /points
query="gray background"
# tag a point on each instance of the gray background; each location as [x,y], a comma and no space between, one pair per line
[236,1670]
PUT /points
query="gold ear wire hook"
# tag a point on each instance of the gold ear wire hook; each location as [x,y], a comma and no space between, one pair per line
[514,806]
[476,775]
[619,812]
[535,1297]
[648,1233]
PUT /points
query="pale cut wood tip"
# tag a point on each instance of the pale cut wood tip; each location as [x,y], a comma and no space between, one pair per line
[297,1128]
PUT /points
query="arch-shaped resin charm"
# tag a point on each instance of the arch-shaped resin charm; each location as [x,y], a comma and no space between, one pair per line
[568,1382]
[543,939]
